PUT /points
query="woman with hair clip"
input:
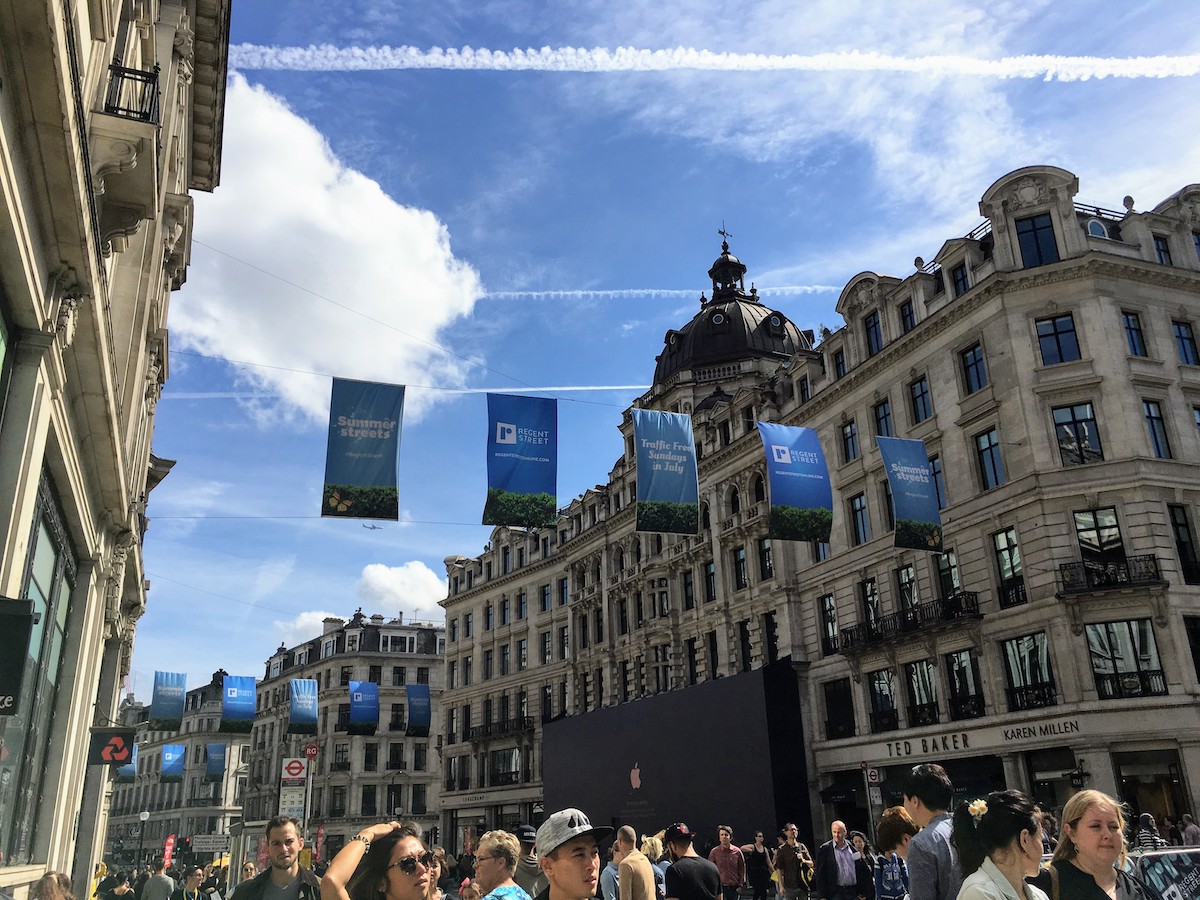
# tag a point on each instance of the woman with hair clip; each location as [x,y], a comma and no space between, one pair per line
[999,842]
[382,862]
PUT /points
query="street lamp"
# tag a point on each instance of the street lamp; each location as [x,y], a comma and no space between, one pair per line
[143,818]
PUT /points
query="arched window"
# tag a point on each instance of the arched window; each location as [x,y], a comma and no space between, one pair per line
[760,489]
[735,502]
[637,549]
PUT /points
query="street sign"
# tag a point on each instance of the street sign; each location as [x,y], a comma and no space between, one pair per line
[873,776]
[111,747]
[311,751]
[294,770]
[210,843]
[875,795]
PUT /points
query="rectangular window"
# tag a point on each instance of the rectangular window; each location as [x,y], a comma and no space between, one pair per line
[1135,340]
[947,565]
[868,595]
[489,617]
[766,562]
[908,318]
[745,651]
[564,642]
[1027,671]
[1185,343]
[805,389]
[874,333]
[882,688]
[820,551]
[1008,565]
[547,648]
[1035,237]
[922,402]
[710,582]
[1196,242]
[921,683]
[829,625]
[693,674]
[770,637]
[488,659]
[741,579]
[544,602]
[974,370]
[883,418]
[906,594]
[505,659]
[505,611]
[581,632]
[623,616]
[962,282]
[399,676]
[452,674]
[466,671]
[939,480]
[522,654]
[991,465]
[467,625]
[1185,546]
[1157,429]
[1162,250]
[689,590]
[522,605]
[860,525]
[849,442]
[889,508]
[1057,340]
[1099,536]
[1125,660]
[839,364]
[839,709]
[966,689]
[713,660]
[1078,434]
[563,594]
[453,630]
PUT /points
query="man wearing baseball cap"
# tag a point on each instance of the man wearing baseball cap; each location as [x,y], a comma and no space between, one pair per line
[529,873]
[569,855]
[690,877]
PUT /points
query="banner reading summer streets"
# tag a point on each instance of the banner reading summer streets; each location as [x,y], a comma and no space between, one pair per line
[522,461]
[364,445]
[914,498]
[668,487]
[798,480]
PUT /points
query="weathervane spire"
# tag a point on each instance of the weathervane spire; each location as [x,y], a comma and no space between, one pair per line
[723,233]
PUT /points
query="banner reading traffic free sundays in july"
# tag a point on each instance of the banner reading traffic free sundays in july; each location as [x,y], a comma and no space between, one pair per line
[914,499]
[522,461]
[302,714]
[417,696]
[214,767]
[166,703]
[798,479]
[237,703]
[361,458]
[668,487]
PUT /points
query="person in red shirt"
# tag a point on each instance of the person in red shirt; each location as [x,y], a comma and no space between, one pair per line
[729,862]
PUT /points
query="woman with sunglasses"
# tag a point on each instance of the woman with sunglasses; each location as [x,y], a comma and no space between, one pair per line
[382,862]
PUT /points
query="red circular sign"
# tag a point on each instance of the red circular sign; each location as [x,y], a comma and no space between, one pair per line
[294,768]
[311,751]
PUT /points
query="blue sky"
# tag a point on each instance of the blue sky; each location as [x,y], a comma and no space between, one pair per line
[484,219]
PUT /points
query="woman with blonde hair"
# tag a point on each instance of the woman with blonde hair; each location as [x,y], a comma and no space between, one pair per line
[496,863]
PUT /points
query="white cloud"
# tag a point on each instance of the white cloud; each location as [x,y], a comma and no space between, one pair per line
[271,574]
[289,207]
[305,627]
[413,589]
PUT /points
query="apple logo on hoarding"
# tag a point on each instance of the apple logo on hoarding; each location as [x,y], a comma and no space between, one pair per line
[635,777]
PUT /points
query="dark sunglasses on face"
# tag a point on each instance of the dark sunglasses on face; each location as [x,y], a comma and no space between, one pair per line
[408,865]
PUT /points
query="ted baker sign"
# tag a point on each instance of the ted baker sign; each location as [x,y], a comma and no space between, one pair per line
[958,741]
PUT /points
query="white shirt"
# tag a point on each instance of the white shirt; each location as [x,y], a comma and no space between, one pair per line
[987,883]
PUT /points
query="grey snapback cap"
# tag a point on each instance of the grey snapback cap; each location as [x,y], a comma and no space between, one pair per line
[564,825]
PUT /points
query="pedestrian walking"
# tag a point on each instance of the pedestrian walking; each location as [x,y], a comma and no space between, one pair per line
[758,866]
[999,842]
[933,869]
[730,863]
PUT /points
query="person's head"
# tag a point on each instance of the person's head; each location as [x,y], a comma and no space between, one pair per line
[626,840]
[569,854]
[284,843]
[837,831]
[496,859]
[859,840]
[724,834]
[527,836]
[52,886]
[1187,818]
[679,839]
[397,866]
[249,870]
[652,847]
[1093,830]
[927,792]
[157,865]
[192,876]
[1146,821]
[759,837]
[896,829]
[470,891]
[790,832]
[1007,826]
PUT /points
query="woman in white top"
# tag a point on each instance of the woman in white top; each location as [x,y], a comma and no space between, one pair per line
[999,842]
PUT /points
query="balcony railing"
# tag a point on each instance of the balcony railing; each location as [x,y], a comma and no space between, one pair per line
[922,714]
[1032,696]
[829,645]
[959,605]
[498,729]
[1082,577]
[1131,684]
[885,720]
[839,728]
[340,766]
[967,706]
[1012,593]
[132,93]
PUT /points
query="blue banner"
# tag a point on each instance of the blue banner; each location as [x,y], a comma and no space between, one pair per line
[127,773]
[419,713]
[364,707]
[172,762]
[166,704]
[361,459]
[914,495]
[302,717]
[668,487]
[798,479]
[214,767]
[522,461]
[237,703]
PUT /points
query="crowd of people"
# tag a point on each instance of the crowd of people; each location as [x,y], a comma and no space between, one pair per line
[182,882]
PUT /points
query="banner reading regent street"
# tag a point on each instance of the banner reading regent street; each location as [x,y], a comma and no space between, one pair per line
[302,714]
[798,479]
[914,497]
[172,762]
[237,703]
[668,487]
[417,696]
[364,707]
[214,767]
[361,459]
[166,704]
[522,461]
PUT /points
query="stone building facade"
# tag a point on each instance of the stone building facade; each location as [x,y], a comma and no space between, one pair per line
[110,115]
[1048,359]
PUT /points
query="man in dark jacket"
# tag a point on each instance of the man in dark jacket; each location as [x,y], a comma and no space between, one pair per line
[283,871]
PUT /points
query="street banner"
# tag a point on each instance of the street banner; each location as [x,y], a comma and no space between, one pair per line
[16,627]
[364,707]
[172,763]
[668,487]
[214,767]
[417,697]
[166,704]
[320,842]
[127,773]
[168,849]
[302,715]
[237,703]
[522,461]
[112,747]
[361,459]
[800,495]
[914,496]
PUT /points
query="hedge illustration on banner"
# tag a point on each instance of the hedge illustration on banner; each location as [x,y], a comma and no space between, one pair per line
[668,487]
[167,701]
[914,495]
[798,481]
[302,712]
[522,461]
[361,461]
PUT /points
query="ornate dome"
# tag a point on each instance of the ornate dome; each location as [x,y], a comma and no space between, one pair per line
[733,325]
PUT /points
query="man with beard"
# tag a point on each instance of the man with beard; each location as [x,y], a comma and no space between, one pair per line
[283,879]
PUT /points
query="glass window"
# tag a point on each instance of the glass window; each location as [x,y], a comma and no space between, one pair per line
[1078,434]
[1027,670]
[1008,564]
[908,319]
[869,596]
[1185,546]
[1125,659]
[921,682]
[710,582]
[467,619]
[505,611]
[544,602]
[883,418]
[1057,340]
[1162,250]
[1035,237]
[820,551]
[1196,242]
[874,333]
[922,402]
[939,480]
[860,526]
[829,625]
[947,564]
[522,605]
[689,590]
[849,442]
[1185,343]
[882,688]
[991,465]
[966,690]
[839,364]
[547,647]
[962,282]
[1099,536]
[906,590]
[1157,429]
[974,370]
[889,508]
[805,390]
[488,617]
[766,562]
[1134,338]
[740,579]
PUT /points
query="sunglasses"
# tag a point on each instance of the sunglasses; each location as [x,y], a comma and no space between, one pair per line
[408,865]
